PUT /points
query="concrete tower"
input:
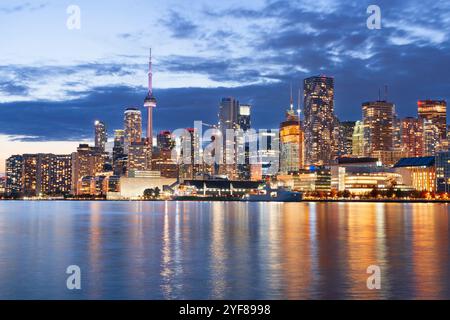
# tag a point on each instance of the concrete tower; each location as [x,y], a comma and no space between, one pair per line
[150,102]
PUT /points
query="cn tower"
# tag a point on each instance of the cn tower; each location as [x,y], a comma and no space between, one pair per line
[150,102]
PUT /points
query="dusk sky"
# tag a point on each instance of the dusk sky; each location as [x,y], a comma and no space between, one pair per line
[54,82]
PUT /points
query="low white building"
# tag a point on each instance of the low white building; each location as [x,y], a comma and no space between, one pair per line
[132,188]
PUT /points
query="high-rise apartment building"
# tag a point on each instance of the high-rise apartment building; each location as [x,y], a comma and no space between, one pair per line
[378,120]
[435,111]
[101,136]
[14,171]
[86,162]
[318,93]
[346,129]
[139,157]
[412,141]
[132,126]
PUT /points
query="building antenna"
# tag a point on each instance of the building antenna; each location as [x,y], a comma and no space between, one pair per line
[386,92]
[379,94]
[298,103]
[291,100]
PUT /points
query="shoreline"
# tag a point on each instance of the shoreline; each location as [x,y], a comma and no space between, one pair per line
[237,200]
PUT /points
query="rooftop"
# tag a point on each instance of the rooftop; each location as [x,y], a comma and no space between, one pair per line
[415,162]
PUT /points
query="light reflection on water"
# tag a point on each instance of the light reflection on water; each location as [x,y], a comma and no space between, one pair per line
[224,250]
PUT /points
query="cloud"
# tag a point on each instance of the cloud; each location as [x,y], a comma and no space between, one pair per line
[26,6]
[179,26]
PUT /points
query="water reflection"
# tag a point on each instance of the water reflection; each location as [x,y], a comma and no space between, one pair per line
[220,250]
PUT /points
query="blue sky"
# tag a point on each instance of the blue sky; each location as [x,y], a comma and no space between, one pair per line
[54,82]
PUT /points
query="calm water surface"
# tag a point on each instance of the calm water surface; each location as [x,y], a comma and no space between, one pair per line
[223,250]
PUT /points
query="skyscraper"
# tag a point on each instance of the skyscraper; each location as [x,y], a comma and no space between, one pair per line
[133,126]
[436,112]
[139,157]
[412,137]
[150,102]
[228,120]
[190,167]
[358,139]
[243,142]
[378,120]
[119,156]
[433,114]
[346,129]
[290,138]
[14,170]
[101,136]
[86,162]
[319,121]
[46,174]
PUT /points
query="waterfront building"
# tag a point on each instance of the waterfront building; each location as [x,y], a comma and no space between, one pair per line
[101,136]
[86,161]
[2,186]
[218,188]
[132,126]
[14,172]
[360,180]
[46,174]
[358,139]
[418,172]
[319,120]
[133,187]
[307,180]
[378,121]
[412,137]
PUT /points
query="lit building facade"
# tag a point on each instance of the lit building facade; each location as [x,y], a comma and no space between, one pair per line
[418,172]
[435,111]
[87,161]
[378,121]
[412,137]
[14,171]
[291,137]
[346,130]
[443,171]
[119,155]
[358,139]
[133,126]
[319,120]
[101,136]
[139,156]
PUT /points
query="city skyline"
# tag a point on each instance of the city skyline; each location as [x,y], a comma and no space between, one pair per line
[86,85]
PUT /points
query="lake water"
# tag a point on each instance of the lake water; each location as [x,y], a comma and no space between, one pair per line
[223,250]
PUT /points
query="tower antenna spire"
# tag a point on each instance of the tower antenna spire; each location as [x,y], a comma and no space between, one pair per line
[150,74]
[291,100]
